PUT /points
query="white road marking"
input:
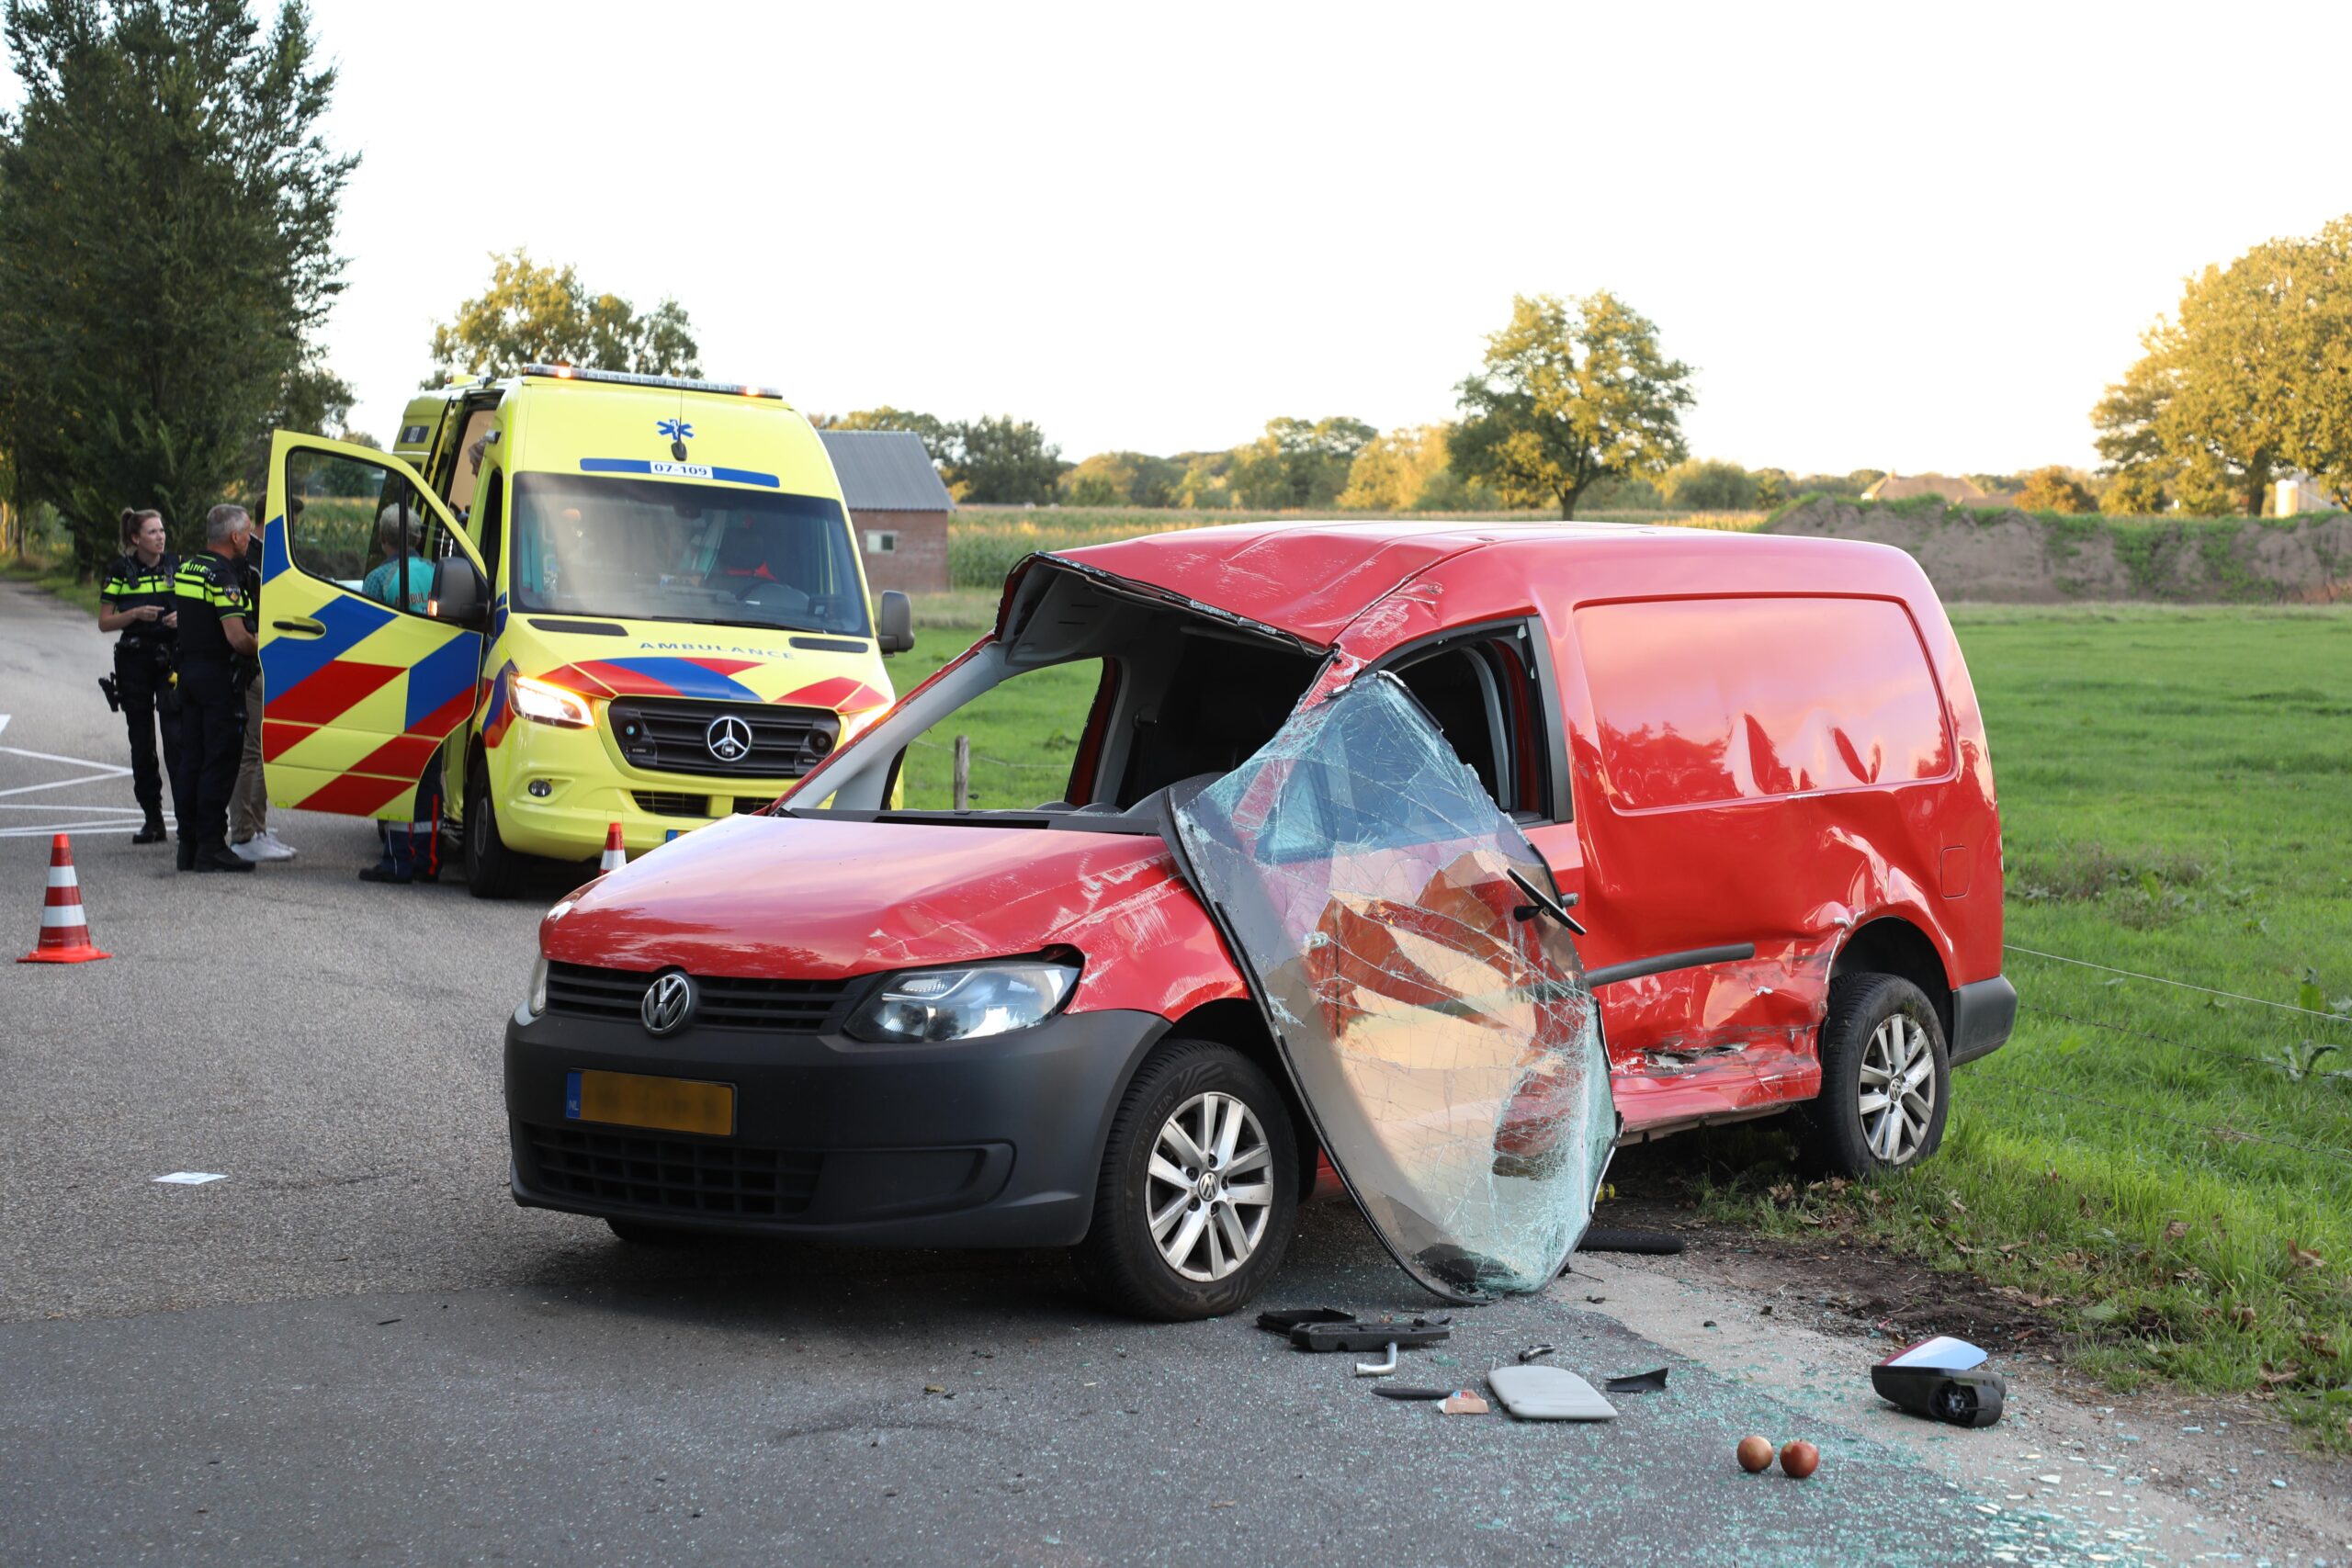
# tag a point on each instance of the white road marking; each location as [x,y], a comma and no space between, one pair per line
[85,817]
[109,769]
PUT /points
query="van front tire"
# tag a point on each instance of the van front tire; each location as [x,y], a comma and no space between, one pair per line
[1886,1080]
[492,870]
[1198,1192]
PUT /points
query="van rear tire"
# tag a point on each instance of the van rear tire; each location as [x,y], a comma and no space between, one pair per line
[1180,1100]
[492,870]
[1877,1026]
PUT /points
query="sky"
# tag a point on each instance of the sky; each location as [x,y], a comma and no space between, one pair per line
[1895,237]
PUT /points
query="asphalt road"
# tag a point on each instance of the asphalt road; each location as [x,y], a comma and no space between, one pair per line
[356,1349]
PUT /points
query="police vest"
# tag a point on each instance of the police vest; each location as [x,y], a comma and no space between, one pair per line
[131,582]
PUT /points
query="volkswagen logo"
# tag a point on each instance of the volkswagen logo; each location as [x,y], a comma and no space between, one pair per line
[729,738]
[669,1002]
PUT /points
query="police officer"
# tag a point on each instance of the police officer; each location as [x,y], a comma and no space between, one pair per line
[135,599]
[213,636]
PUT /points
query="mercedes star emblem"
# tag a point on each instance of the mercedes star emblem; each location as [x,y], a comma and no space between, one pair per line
[669,1002]
[729,738]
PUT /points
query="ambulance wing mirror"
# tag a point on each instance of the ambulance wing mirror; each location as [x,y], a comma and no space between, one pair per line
[459,594]
[894,616]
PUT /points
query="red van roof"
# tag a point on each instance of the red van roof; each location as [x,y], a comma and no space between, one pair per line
[1312,578]
[1307,578]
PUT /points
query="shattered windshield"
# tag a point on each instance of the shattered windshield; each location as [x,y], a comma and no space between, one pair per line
[1432,1014]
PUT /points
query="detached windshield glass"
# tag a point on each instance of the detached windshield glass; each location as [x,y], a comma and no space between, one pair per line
[653,550]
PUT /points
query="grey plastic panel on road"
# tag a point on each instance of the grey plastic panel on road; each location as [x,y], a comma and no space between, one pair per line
[1434,1019]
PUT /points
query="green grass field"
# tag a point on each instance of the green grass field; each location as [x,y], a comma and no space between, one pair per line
[2160,1169]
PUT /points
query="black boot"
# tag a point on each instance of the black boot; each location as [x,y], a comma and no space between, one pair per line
[151,834]
[216,856]
[187,853]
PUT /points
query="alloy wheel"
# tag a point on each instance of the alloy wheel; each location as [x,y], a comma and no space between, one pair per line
[1898,1089]
[1210,1190]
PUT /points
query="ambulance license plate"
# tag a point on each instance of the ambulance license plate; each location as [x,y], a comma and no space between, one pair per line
[634,1100]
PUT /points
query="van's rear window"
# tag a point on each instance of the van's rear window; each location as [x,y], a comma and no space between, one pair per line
[1709,700]
[659,551]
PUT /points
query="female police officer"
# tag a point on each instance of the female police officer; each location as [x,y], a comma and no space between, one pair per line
[135,598]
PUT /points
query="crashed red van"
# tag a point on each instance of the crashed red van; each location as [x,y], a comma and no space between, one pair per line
[1462,853]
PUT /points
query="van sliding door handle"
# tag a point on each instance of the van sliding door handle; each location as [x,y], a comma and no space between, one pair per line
[301,626]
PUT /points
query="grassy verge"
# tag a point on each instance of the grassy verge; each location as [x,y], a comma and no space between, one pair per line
[52,577]
[2160,1168]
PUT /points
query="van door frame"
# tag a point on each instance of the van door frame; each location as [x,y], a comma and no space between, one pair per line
[1546,713]
[354,788]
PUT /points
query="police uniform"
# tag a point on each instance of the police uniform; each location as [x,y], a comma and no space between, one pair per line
[210,590]
[143,676]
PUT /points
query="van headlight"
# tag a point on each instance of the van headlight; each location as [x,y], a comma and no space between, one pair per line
[551,703]
[534,1000]
[923,1005]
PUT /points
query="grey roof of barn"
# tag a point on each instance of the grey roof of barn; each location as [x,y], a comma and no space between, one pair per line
[886,470]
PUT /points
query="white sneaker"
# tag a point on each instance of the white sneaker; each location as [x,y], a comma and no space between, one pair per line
[263,846]
[252,850]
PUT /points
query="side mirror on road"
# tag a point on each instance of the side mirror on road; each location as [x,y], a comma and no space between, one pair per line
[459,594]
[894,616]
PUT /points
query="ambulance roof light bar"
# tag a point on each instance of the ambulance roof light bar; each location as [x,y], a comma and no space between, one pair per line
[631,378]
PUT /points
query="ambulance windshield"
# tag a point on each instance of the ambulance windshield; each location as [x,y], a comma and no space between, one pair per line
[657,550]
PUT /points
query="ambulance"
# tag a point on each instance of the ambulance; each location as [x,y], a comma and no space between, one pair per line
[568,598]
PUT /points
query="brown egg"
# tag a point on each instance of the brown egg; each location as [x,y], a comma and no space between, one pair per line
[1755,1454]
[1800,1460]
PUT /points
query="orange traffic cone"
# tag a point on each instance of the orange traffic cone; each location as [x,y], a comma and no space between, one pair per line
[64,931]
[616,856]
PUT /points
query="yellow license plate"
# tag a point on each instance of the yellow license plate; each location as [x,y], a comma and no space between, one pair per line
[634,1100]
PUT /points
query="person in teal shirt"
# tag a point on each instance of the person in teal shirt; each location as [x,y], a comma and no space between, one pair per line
[405,844]
[384,583]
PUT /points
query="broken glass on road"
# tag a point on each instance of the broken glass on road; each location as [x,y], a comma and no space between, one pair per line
[1401,936]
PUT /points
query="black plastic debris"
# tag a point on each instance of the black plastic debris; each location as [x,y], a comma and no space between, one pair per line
[1397,1391]
[1943,1379]
[1282,1320]
[1607,1238]
[1638,1383]
[1356,1335]
[1535,1352]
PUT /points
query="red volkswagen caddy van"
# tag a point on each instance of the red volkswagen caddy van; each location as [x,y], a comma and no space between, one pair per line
[1753,765]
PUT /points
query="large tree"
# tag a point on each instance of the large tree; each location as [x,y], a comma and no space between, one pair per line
[1571,392]
[1298,463]
[2250,377]
[167,215]
[532,314]
[1003,461]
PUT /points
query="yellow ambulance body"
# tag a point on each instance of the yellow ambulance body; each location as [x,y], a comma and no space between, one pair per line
[569,599]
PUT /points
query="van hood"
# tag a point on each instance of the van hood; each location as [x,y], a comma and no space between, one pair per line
[724,664]
[788,898]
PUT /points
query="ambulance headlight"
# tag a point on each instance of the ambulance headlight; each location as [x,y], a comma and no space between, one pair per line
[551,704]
[921,1006]
[535,1001]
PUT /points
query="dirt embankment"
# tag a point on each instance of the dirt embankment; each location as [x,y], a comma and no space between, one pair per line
[2020,557]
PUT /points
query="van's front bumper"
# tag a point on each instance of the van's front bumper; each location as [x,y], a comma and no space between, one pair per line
[988,1143]
[559,790]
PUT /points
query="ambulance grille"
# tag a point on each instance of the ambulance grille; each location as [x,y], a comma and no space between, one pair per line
[674,1175]
[674,735]
[783,1007]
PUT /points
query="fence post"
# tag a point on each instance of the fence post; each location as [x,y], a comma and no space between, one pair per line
[963,773]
